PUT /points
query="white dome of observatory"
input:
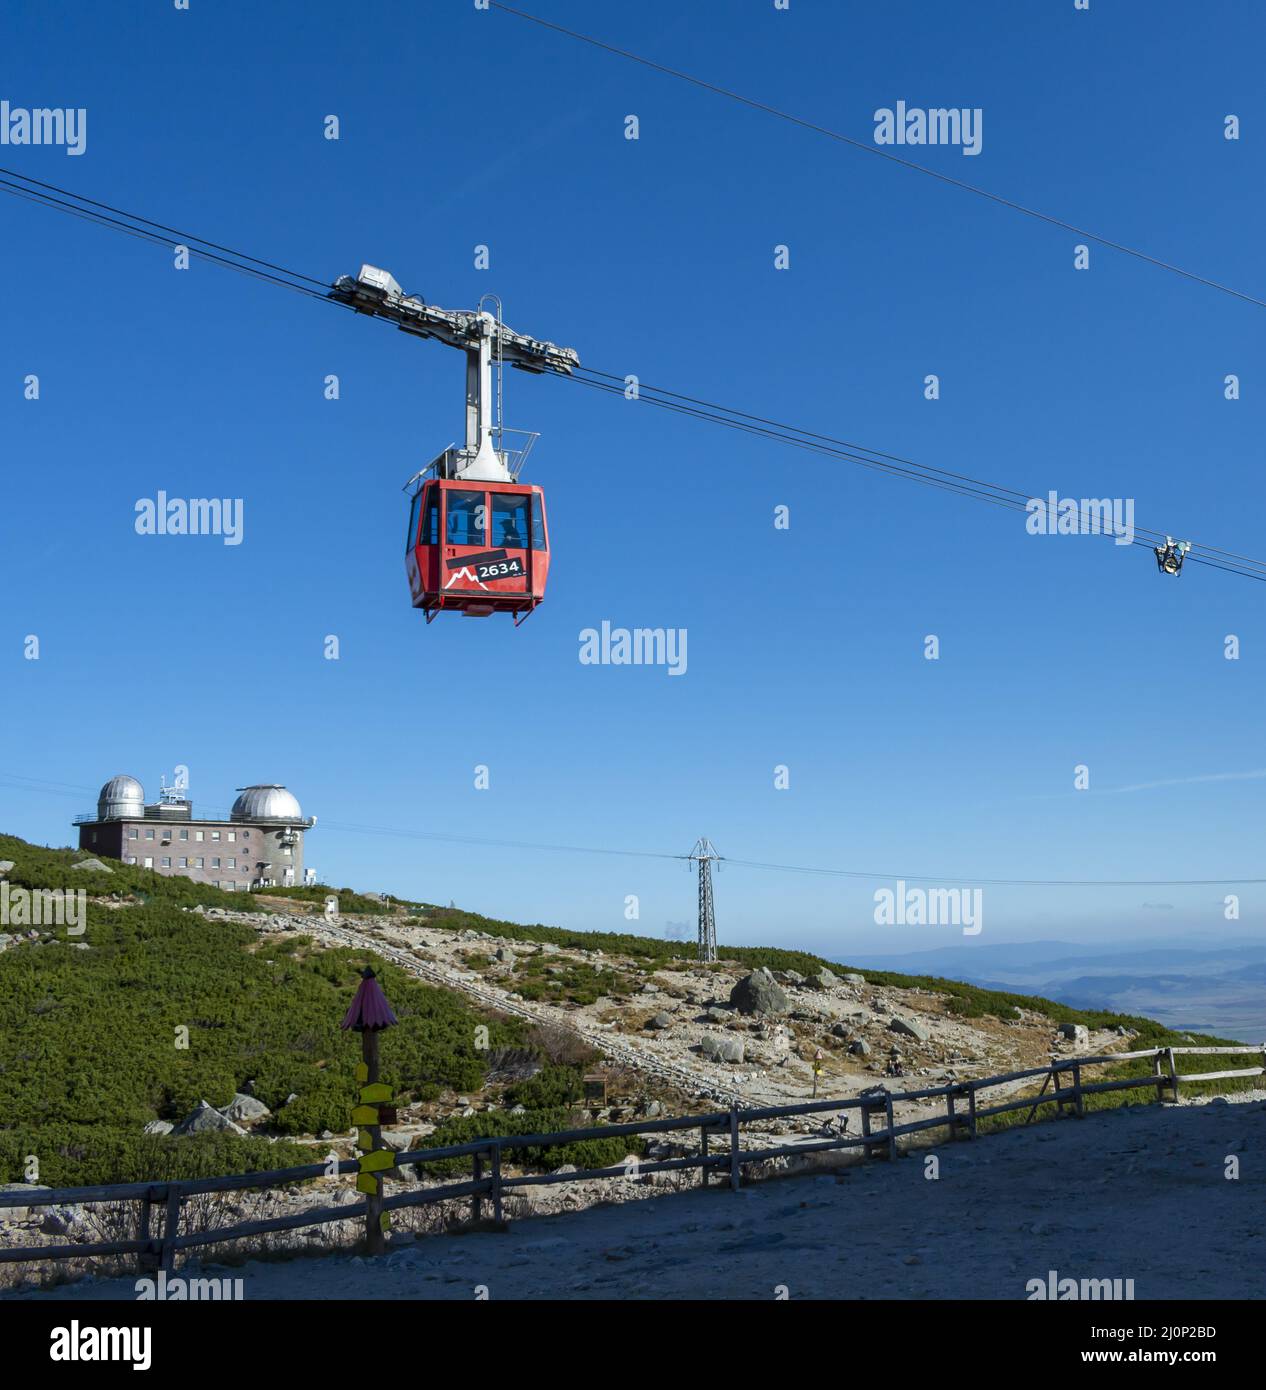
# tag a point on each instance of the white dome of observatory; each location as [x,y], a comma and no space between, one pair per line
[267,801]
[121,797]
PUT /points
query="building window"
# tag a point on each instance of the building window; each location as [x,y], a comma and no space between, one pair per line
[246,834]
[131,859]
[285,849]
[184,864]
[230,863]
[166,861]
[133,834]
[197,834]
[149,863]
[232,835]
[184,834]
[215,863]
[197,863]
[149,834]
[227,885]
[215,834]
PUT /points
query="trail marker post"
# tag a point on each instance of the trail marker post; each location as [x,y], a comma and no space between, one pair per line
[368,1015]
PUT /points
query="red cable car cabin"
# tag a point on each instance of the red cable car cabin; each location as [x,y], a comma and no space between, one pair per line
[477,548]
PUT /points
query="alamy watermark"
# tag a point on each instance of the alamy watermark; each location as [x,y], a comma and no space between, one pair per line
[44,125]
[1054,515]
[1091,1290]
[44,907]
[940,125]
[175,1289]
[931,907]
[639,646]
[196,516]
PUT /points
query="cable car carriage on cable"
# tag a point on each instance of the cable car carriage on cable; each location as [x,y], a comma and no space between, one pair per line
[476,545]
[477,542]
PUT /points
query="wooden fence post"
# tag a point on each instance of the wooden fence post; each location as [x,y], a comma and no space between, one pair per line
[734,1146]
[703,1153]
[171,1228]
[1173,1072]
[1079,1103]
[866,1153]
[496,1186]
[1156,1072]
[950,1116]
[477,1197]
[145,1260]
[971,1108]
[892,1138]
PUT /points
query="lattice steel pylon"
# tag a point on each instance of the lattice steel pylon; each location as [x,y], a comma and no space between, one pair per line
[705,855]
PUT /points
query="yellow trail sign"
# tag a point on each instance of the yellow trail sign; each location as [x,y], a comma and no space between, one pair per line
[379,1091]
[378,1160]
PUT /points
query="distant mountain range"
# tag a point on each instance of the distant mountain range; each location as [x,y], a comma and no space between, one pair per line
[1212,988]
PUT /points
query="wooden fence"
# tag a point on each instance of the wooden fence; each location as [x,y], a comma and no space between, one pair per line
[1062,1086]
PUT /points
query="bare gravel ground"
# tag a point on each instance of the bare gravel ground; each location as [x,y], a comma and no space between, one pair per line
[1138,1193]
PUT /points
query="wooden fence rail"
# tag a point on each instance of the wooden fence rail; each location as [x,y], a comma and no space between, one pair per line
[489,1180]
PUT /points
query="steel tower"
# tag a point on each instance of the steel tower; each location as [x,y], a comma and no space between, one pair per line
[704,854]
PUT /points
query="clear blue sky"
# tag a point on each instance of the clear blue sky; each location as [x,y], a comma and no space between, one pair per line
[657,257]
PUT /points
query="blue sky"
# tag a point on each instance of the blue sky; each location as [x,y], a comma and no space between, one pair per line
[805,646]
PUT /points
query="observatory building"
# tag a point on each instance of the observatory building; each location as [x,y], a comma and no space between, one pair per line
[259,844]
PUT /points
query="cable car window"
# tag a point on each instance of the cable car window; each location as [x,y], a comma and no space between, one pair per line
[511,513]
[411,536]
[510,520]
[467,514]
[431,522]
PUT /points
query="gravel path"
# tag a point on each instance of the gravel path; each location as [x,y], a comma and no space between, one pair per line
[1137,1193]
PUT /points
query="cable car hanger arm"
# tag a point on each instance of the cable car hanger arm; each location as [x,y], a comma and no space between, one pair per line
[377,293]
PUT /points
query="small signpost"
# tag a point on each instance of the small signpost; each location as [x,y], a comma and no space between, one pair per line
[368,1015]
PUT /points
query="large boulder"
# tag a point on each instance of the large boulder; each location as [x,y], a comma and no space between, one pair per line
[206,1119]
[852,978]
[859,1047]
[95,865]
[909,1027]
[721,1049]
[821,979]
[661,1020]
[1075,1032]
[759,993]
[158,1127]
[244,1108]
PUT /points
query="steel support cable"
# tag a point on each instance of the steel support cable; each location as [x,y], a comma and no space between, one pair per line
[184,236]
[948,481]
[872,149]
[68,788]
[1010,502]
[896,459]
